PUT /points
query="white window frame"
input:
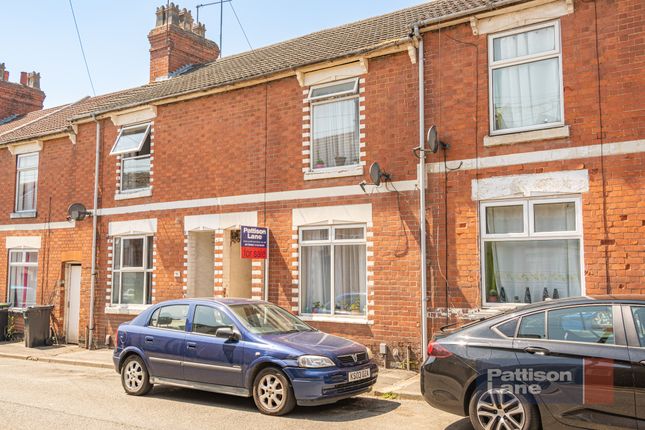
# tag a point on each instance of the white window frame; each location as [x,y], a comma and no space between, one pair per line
[19,170]
[492,65]
[529,234]
[333,98]
[147,126]
[146,135]
[331,242]
[21,264]
[121,269]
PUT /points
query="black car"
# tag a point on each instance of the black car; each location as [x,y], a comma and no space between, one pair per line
[569,363]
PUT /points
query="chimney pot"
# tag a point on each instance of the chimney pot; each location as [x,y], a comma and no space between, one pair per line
[23,78]
[161,16]
[3,72]
[33,80]
[5,76]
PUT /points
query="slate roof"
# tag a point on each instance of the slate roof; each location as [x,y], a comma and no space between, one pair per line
[326,45]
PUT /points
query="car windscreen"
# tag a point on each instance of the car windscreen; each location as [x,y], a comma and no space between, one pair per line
[265,318]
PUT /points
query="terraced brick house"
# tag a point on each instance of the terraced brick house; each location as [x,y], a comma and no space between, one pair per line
[534,190]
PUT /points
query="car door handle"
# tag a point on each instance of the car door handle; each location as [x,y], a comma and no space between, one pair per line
[642,363]
[191,345]
[536,350]
[149,339]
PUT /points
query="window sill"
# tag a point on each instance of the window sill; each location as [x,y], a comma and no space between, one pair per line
[335,319]
[125,195]
[125,309]
[334,172]
[25,214]
[527,136]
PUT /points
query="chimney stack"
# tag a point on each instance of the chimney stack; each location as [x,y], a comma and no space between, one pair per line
[177,41]
[19,98]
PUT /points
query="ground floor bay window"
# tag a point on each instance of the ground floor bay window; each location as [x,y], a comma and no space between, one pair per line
[132,270]
[23,274]
[531,250]
[333,274]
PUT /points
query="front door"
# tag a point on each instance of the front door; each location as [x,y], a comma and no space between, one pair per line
[73,303]
[211,359]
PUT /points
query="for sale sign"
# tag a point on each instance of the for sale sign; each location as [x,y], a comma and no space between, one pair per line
[254,242]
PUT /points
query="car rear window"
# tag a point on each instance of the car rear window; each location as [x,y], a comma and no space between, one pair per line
[171,317]
[532,326]
[507,328]
[590,324]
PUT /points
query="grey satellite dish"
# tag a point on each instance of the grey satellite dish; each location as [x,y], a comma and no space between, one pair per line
[376,174]
[431,139]
[77,212]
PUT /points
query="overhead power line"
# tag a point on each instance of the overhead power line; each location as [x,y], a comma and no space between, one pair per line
[80,42]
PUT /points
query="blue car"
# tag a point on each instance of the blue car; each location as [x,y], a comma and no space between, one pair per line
[242,348]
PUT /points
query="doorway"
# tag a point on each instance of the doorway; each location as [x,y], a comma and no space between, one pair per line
[237,270]
[201,279]
[72,302]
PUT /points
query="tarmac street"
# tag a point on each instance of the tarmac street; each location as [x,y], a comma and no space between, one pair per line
[37,395]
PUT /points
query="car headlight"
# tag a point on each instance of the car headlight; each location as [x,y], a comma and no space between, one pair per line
[315,361]
[369,354]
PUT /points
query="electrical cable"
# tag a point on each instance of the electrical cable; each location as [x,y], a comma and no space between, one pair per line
[80,42]
[241,26]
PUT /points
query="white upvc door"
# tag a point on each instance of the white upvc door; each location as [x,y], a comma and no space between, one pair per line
[73,305]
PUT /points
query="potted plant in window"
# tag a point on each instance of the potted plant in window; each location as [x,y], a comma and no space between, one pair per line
[319,164]
[492,295]
[315,308]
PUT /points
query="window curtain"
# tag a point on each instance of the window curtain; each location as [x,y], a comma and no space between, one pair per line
[526,94]
[316,281]
[536,265]
[27,190]
[349,279]
[23,282]
[335,133]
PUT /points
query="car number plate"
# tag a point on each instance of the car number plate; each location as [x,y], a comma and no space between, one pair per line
[358,375]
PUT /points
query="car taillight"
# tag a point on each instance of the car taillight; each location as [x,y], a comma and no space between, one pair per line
[437,350]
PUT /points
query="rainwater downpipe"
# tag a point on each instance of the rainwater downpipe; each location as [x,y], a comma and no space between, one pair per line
[422,197]
[97,158]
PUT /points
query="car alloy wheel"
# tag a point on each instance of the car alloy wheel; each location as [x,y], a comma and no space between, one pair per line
[271,392]
[499,409]
[134,376]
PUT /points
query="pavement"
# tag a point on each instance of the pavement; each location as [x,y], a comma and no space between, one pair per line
[60,396]
[391,383]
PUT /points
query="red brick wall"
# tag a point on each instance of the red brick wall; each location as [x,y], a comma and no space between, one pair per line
[17,99]
[457,94]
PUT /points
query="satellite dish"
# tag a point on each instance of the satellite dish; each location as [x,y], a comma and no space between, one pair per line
[376,174]
[77,212]
[431,139]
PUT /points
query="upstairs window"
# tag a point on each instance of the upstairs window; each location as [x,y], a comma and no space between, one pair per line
[133,144]
[26,182]
[525,70]
[334,125]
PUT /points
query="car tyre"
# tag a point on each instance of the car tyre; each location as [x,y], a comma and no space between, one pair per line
[272,392]
[507,410]
[135,377]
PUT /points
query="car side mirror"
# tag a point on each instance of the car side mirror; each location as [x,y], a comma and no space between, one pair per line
[227,333]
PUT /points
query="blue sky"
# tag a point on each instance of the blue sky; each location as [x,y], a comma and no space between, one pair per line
[39,35]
